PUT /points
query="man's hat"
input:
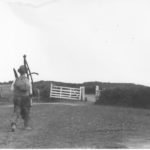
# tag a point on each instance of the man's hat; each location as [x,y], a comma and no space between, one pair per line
[22,69]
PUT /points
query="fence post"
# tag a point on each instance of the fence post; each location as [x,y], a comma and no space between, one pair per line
[38,94]
[70,93]
[97,93]
[61,92]
[51,89]
[82,93]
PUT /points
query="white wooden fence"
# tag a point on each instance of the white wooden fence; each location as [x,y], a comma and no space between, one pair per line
[67,92]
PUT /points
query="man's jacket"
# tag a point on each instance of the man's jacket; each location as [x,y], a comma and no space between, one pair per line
[21,86]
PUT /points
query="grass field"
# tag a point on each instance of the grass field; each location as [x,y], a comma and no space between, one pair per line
[78,125]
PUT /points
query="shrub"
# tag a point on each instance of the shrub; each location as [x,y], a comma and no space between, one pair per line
[44,87]
[132,97]
[89,89]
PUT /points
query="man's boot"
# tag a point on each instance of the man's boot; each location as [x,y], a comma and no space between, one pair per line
[26,124]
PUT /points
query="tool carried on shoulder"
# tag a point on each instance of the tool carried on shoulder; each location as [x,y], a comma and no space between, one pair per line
[29,73]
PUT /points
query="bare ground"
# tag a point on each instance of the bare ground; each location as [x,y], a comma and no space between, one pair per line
[78,125]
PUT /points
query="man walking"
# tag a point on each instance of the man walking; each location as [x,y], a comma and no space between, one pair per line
[22,91]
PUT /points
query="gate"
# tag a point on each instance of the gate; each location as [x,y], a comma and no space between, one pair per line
[67,92]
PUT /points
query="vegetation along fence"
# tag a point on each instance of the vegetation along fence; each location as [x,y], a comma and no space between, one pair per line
[5,90]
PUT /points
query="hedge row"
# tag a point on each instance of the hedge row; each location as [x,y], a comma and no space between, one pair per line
[132,97]
[44,87]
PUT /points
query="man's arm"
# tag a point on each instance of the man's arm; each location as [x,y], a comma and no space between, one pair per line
[12,85]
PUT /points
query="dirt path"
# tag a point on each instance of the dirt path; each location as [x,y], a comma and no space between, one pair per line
[78,125]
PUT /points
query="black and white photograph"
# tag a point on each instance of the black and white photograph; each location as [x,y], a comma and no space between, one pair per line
[75,74]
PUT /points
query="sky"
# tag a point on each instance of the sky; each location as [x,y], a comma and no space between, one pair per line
[77,40]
